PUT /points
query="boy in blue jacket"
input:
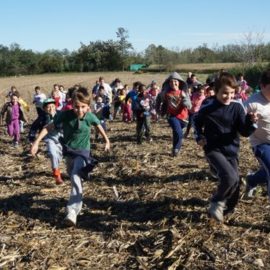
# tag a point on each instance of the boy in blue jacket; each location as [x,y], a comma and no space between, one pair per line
[217,127]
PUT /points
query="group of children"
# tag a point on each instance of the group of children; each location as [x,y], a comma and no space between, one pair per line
[216,116]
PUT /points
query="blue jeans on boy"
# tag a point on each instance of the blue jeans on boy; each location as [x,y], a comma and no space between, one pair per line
[55,152]
[262,176]
[177,126]
[74,165]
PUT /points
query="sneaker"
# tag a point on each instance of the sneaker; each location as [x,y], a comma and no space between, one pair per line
[57,177]
[250,191]
[175,152]
[71,218]
[216,210]
[15,144]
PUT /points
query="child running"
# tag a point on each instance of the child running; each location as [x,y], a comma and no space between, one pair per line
[177,103]
[13,113]
[142,111]
[217,125]
[76,125]
[52,140]
[259,103]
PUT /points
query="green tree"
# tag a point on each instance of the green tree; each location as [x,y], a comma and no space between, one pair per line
[124,45]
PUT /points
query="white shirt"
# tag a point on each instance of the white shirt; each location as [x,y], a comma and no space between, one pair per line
[257,103]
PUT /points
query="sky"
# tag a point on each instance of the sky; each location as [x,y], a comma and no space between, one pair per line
[41,25]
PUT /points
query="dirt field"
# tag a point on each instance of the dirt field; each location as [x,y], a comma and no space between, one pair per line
[142,209]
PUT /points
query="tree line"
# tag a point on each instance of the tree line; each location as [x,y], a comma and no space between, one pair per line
[117,55]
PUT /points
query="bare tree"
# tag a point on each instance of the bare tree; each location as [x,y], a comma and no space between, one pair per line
[251,49]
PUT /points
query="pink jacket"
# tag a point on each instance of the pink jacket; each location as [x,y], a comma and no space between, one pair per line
[196,101]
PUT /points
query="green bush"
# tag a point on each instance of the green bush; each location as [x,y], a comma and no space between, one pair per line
[251,73]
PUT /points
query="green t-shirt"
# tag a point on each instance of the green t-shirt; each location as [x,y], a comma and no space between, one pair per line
[76,131]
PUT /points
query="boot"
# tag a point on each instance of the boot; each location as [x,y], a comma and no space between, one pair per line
[57,177]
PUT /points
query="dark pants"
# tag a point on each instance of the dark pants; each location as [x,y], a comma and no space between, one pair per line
[257,178]
[37,126]
[229,186]
[40,112]
[177,126]
[190,123]
[143,125]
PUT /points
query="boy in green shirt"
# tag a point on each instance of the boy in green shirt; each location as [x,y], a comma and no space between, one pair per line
[76,125]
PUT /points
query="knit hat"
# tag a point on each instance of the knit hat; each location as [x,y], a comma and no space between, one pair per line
[48,101]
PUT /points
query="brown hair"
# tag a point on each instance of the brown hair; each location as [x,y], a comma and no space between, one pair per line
[81,95]
[225,78]
[16,94]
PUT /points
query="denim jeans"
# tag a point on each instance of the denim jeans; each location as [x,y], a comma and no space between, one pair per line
[55,152]
[262,153]
[177,126]
[74,166]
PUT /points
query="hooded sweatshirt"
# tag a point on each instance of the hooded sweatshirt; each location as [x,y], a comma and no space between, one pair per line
[177,101]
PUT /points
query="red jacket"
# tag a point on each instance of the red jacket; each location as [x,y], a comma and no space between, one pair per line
[175,107]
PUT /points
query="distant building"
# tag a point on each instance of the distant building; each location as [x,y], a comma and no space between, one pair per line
[136,67]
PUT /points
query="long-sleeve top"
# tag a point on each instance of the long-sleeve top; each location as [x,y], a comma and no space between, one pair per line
[8,111]
[196,101]
[257,103]
[177,104]
[142,106]
[221,124]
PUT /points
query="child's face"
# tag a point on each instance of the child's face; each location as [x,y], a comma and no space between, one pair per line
[174,84]
[80,108]
[211,93]
[142,90]
[201,92]
[99,100]
[238,89]
[14,99]
[50,108]
[102,91]
[225,94]
[55,93]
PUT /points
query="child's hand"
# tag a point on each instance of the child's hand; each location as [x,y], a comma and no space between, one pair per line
[253,117]
[202,142]
[34,149]
[107,146]
[183,94]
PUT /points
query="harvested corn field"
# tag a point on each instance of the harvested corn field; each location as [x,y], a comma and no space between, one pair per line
[143,209]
